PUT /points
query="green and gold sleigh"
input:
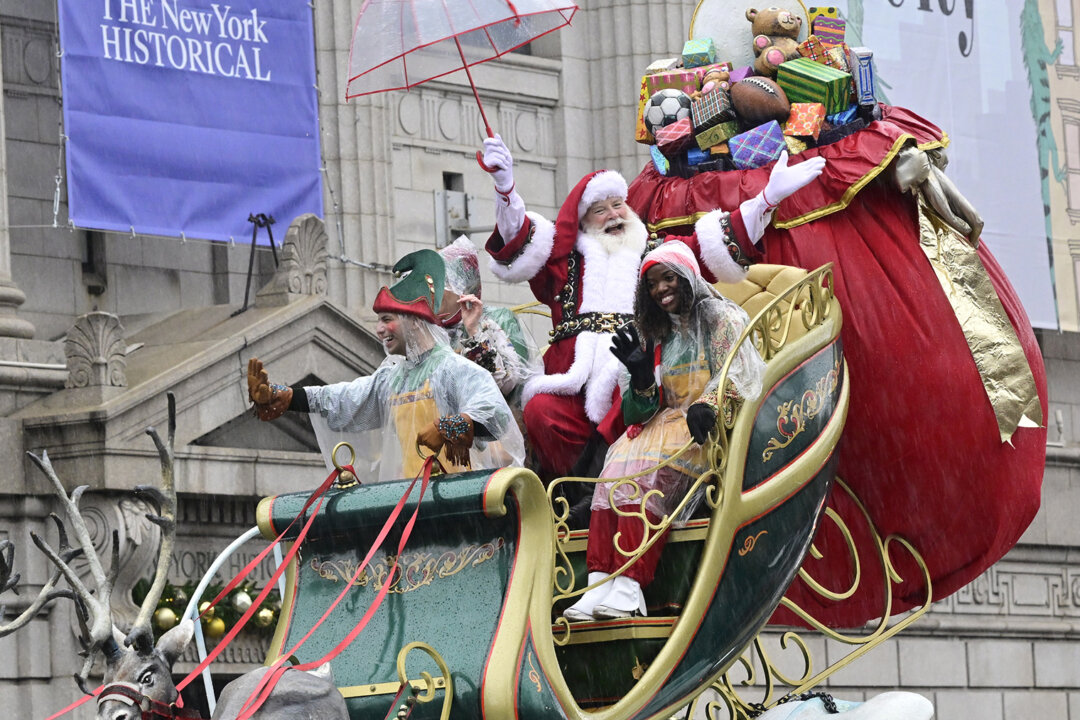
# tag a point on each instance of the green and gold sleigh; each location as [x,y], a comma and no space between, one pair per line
[472,617]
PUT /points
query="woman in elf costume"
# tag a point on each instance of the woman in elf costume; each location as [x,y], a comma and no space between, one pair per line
[423,393]
[491,337]
[670,394]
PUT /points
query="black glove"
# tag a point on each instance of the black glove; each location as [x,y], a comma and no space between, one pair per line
[626,345]
[591,460]
[700,419]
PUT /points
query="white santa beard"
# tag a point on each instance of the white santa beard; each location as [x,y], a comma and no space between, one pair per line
[634,236]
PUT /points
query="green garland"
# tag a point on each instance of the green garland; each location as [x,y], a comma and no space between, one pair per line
[229,609]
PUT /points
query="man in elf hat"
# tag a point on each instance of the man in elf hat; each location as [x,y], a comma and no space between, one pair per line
[584,266]
[424,393]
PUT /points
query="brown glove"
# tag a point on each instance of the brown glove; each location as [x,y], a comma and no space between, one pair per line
[429,437]
[457,431]
[271,401]
[454,432]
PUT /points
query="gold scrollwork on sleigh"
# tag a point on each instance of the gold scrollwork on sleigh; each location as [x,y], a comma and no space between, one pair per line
[792,416]
[415,569]
[761,674]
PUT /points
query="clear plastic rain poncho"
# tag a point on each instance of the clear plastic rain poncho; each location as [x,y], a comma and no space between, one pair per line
[502,343]
[381,414]
[694,345]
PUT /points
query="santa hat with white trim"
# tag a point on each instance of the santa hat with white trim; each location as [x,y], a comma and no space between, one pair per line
[595,186]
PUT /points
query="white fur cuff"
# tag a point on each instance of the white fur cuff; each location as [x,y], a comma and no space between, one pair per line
[713,238]
[533,255]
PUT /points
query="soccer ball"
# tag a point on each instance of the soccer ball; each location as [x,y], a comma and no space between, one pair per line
[665,107]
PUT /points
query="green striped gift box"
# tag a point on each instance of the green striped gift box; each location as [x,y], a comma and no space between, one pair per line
[806,81]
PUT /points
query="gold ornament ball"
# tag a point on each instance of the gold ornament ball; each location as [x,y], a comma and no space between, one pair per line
[202,611]
[165,618]
[264,617]
[215,628]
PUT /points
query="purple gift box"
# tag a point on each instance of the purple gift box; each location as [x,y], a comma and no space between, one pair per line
[829,30]
[740,74]
[757,147]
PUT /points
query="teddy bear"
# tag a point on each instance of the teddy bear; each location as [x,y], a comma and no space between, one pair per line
[713,79]
[776,33]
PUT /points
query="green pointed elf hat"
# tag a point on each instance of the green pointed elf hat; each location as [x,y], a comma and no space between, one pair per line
[420,292]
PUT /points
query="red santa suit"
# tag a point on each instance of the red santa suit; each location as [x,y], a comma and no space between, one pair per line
[590,291]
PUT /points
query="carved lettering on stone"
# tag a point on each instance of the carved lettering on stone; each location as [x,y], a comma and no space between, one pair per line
[303,263]
[442,117]
[96,352]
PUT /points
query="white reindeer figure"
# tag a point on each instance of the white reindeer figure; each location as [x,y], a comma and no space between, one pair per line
[138,674]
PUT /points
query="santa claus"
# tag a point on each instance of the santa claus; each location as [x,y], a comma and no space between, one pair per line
[584,267]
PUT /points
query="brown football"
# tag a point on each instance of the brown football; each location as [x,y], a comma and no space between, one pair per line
[758,100]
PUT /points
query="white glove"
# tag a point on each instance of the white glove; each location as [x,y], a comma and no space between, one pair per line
[497,156]
[785,180]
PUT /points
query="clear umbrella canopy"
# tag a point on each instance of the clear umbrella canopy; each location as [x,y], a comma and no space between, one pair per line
[399,44]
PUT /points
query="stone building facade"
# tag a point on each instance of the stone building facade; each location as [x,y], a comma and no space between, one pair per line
[96,327]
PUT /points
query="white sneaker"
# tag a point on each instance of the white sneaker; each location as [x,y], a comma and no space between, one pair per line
[625,600]
[583,609]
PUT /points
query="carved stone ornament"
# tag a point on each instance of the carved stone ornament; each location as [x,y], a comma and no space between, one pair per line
[139,538]
[96,352]
[302,270]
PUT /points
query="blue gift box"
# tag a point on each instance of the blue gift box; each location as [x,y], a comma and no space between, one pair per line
[696,156]
[757,147]
[698,52]
[660,162]
[843,118]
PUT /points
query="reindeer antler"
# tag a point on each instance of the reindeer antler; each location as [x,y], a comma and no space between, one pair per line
[164,501]
[94,608]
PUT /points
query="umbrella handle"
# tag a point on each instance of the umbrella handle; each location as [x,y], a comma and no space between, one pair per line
[480,162]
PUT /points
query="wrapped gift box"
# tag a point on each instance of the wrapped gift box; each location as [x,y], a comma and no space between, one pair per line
[830,29]
[685,80]
[837,57]
[814,13]
[696,156]
[843,117]
[717,134]
[805,120]
[813,49]
[712,109]
[740,74]
[674,137]
[698,52]
[794,145]
[861,62]
[659,161]
[757,147]
[641,133]
[663,65]
[721,149]
[806,81]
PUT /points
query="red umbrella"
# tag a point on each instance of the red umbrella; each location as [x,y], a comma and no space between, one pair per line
[399,44]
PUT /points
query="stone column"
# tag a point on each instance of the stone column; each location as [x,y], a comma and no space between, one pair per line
[11,297]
